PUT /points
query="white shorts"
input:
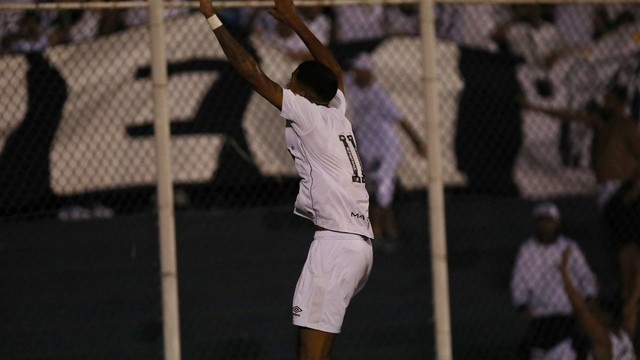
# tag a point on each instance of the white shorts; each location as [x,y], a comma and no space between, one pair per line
[337,267]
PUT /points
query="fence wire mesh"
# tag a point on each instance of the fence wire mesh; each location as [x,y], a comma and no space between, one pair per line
[528,113]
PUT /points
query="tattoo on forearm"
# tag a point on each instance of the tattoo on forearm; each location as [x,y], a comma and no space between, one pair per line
[234,51]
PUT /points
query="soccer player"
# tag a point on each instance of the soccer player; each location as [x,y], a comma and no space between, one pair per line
[332,190]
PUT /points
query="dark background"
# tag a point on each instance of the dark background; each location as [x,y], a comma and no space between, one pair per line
[91,289]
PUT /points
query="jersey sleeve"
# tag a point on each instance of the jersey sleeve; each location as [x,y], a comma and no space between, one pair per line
[339,102]
[299,110]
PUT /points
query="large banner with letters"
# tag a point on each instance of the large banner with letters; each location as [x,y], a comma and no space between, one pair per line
[103,137]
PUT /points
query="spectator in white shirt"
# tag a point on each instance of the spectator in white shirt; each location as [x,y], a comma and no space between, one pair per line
[359,22]
[29,36]
[285,39]
[10,19]
[471,25]
[74,26]
[356,29]
[575,23]
[531,35]
[403,19]
[538,291]
[375,116]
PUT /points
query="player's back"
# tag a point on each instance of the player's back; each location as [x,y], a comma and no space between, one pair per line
[321,141]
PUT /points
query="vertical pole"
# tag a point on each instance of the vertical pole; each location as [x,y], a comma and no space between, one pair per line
[439,270]
[168,268]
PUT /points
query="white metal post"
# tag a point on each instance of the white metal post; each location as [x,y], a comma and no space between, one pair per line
[439,270]
[168,267]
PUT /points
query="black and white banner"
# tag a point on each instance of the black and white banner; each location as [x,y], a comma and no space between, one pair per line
[102,136]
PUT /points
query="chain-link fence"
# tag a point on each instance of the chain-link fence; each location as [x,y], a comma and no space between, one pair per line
[543,88]
[524,117]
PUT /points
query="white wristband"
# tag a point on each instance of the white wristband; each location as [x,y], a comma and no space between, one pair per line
[214,22]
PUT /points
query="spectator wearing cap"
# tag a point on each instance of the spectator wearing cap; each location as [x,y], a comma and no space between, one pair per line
[538,293]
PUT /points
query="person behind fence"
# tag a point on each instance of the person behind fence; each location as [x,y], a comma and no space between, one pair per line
[611,324]
[375,116]
[537,289]
[140,16]
[615,161]
[356,28]
[74,26]
[285,39]
[531,35]
[30,35]
[332,190]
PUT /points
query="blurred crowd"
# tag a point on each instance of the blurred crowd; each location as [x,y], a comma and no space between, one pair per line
[495,42]
[571,312]
[539,34]
[28,30]
[562,48]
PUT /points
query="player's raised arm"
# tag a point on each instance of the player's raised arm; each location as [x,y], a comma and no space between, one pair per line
[285,11]
[564,114]
[597,332]
[241,60]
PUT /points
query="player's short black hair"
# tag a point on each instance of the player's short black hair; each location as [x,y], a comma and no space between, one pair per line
[319,79]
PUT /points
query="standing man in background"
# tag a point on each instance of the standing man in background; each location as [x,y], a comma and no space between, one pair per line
[332,190]
[538,292]
[375,116]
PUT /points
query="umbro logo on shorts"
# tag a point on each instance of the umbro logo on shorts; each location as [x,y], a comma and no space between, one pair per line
[296,310]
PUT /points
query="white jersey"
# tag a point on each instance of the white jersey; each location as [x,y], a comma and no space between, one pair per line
[621,347]
[332,191]
[537,282]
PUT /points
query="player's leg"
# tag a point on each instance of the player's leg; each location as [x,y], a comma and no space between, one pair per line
[314,344]
[337,267]
[384,196]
